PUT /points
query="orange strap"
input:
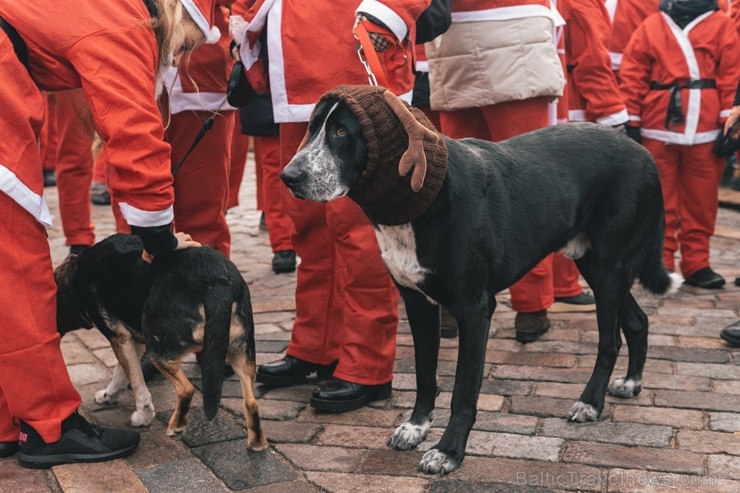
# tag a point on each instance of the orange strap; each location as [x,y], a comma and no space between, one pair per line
[394,56]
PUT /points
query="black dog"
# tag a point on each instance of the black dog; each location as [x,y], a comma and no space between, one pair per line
[183,301]
[477,227]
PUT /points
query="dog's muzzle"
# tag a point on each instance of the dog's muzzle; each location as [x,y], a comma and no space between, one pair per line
[293,177]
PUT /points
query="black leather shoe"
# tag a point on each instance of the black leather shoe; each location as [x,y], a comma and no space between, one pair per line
[447,325]
[291,371]
[530,326]
[8,449]
[705,278]
[284,261]
[731,333]
[338,396]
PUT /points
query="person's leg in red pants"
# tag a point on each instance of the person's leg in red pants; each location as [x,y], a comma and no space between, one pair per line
[202,182]
[689,177]
[346,303]
[74,169]
[48,141]
[34,381]
[279,224]
[239,149]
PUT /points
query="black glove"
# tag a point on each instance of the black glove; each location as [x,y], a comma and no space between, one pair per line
[157,239]
[634,134]
[725,145]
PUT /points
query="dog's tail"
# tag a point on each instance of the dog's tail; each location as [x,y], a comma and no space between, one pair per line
[653,274]
[217,303]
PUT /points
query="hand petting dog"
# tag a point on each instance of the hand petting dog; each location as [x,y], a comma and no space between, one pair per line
[184,241]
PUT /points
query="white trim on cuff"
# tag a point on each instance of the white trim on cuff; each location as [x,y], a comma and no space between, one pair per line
[386,15]
[614,119]
[32,202]
[146,219]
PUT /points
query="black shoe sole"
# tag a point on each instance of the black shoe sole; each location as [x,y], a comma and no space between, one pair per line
[334,406]
[448,332]
[49,461]
[525,337]
[711,285]
[283,269]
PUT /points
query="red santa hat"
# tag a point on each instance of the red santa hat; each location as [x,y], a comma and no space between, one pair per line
[202,13]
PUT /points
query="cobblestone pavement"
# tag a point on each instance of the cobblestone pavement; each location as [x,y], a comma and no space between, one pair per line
[682,433]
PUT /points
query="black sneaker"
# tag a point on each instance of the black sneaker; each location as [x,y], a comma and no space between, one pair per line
[263,222]
[705,278]
[531,326]
[81,441]
[284,261]
[583,302]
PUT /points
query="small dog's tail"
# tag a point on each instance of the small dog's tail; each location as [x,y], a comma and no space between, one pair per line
[653,274]
[217,303]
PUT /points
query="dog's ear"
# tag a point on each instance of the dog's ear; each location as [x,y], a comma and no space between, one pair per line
[414,156]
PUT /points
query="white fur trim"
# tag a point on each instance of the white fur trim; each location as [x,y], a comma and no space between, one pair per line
[614,119]
[211,33]
[145,219]
[385,15]
[32,202]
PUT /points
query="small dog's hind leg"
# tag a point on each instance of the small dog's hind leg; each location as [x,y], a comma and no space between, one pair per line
[184,390]
[245,371]
[125,350]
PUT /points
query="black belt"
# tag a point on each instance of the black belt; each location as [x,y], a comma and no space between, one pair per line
[674,115]
[19,46]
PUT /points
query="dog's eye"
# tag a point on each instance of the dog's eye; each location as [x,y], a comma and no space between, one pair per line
[341,131]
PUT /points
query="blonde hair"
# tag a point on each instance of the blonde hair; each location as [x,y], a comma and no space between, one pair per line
[169,14]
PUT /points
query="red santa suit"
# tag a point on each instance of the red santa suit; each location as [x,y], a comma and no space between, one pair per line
[625,16]
[197,90]
[346,303]
[109,50]
[593,95]
[701,63]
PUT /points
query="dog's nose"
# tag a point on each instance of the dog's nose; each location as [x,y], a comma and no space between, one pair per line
[292,176]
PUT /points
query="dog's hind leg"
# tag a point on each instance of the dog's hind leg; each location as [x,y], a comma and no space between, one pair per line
[634,324]
[245,372]
[424,322]
[128,359]
[610,287]
[474,320]
[184,390]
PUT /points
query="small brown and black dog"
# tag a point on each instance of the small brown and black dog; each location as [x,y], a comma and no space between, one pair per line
[185,300]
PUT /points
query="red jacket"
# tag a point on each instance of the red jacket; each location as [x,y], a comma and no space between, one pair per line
[625,16]
[311,47]
[661,52]
[592,88]
[108,49]
[491,10]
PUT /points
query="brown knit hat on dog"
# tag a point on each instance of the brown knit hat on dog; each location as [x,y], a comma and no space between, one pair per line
[386,196]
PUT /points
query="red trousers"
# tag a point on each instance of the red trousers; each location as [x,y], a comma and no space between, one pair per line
[279,224]
[74,165]
[99,168]
[202,182]
[537,289]
[239,150]
[48,137]
[34,383]
[690,177]
[346,303]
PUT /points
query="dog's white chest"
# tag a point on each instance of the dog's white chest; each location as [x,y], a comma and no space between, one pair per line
[398,248]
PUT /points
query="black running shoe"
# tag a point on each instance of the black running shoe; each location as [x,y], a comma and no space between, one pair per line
[705,278]
[81,441]
[284,261]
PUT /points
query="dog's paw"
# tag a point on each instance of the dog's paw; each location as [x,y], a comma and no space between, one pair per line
[408,436]
[625,387]
[175,431]
[437,462]
[102,397]
[582,412]
[143,417]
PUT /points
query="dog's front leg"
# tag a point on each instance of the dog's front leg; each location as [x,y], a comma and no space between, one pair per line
[473,321]
[424,322]
[128,357]
[119,382]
